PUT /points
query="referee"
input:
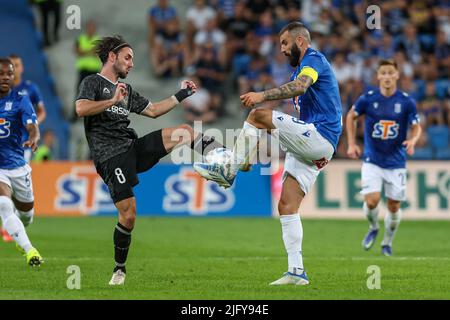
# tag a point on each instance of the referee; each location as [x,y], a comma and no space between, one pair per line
[118,154]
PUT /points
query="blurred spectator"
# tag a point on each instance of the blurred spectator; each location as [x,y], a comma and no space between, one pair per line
[199,107]
[224,8]
[431,107]
[280,70]
[158,17]
[212,76]
[312,9]
[442,54]
[342,69]
[197,18]
[169,52]
[255,8]
[50,8]
[45,150]
[385,50]
[265,33]
[410,44]
[349,9]
[87,62]
[214,36]
[251,73]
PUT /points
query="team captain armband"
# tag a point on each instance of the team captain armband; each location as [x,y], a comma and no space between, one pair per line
[310,72]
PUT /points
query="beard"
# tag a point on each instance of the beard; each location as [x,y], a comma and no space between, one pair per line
[295,55]
[122,74]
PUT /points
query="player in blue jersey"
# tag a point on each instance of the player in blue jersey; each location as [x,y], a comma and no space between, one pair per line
[388,114]
[310,138]
[25,87]
[16,190]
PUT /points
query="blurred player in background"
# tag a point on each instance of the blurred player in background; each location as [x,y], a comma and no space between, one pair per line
[16,189]
[118,154]
[310,139]
[388,113]
[25,87]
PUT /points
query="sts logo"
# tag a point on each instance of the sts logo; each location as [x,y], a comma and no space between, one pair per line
[188,191]
[385,129]
[4,128]
[83,190]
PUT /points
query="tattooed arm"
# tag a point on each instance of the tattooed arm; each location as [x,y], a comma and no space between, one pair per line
[288,90]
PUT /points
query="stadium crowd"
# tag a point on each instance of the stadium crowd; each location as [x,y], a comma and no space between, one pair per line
[219,41]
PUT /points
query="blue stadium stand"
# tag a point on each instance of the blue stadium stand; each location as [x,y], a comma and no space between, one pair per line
[19,36]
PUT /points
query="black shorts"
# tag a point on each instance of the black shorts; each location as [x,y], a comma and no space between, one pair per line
[120,172]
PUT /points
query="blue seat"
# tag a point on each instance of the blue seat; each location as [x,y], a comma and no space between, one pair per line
[425,153]
[438,136]
[443,154]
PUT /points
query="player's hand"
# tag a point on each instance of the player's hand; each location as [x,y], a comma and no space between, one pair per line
[188,84]
[121,93]
[409,145]
[251,99]
[354,151]
[31,143]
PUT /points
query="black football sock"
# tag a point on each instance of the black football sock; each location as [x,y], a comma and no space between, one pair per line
[204,144]
[122,240]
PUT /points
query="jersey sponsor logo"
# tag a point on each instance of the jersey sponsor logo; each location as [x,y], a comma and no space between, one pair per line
[118,110]
[4,128]
[385,129]
[82,190]
[188,191]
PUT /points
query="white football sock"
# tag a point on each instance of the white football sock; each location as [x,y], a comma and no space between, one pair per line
[372,215]
[25,216]
[244,146]
[292,229]
[12,224]
[391,223]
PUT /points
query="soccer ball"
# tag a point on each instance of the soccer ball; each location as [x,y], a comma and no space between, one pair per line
[219,155]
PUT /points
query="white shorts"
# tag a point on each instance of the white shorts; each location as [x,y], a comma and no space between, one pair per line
[307,151]
[19,180]
[394,180]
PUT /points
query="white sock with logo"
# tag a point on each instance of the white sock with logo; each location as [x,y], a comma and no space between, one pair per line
[12,224]
[372,215]
[244,146]
[391,223]
[292,230]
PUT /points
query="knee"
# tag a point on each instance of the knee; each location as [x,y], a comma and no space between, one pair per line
[372,203]
[26,216]
[187,128]
[285,207]
[393,206]
[128,216]
[256,115]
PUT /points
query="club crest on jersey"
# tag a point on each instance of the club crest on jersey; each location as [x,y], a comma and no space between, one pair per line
[8,106]
[385,129]
[375,105]
[4,128]
[397,108]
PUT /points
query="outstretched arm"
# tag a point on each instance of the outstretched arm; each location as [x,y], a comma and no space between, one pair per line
[157,109]
[289,90]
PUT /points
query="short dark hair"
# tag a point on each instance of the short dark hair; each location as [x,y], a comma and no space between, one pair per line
[14,56]
[4,60]
[387,62]
[296,28]
[107,44]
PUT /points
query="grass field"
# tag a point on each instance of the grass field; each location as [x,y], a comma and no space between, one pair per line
[224,258]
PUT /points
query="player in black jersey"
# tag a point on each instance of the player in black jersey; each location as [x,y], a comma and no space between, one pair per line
[118,154]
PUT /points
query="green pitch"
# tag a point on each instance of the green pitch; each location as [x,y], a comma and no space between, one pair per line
[226,258]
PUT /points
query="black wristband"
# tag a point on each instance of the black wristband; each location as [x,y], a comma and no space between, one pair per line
[183,94]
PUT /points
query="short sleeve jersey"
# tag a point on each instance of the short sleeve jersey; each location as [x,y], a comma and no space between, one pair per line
[16,112]
[108,133]
[386,126]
